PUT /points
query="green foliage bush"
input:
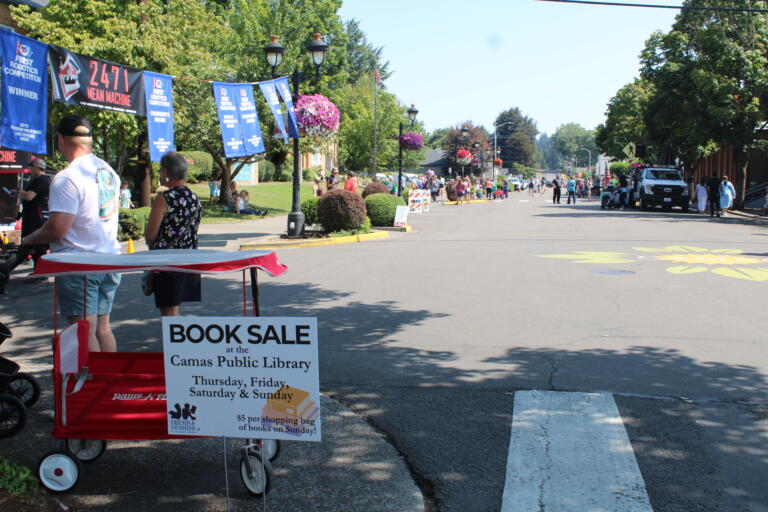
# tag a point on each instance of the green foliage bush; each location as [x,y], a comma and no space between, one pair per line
[199,165]
[619,168]
[382,208]
[309,208]
[132,223]
[16,479]
[339,210]
[375,188]
[267,171]
[308,174]
[365,228]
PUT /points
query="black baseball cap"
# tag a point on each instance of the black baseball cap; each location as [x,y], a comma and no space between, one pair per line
[69,125]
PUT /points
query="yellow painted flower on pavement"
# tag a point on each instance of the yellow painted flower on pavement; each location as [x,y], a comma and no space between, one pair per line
[695,260]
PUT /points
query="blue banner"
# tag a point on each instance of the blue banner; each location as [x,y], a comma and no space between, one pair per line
[268,88]
[285,93]
[226,96]
[249,121]
[24,96]
[159,99]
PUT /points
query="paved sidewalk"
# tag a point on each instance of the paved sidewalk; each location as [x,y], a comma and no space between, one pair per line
[353,468]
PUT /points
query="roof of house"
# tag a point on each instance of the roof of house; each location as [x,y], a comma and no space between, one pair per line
[435,158]
[31,3]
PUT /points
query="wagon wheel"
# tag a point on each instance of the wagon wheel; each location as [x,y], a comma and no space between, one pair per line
[86,450]
[256,474]
[24,387]
[13,415]
[270,448]
[59,471]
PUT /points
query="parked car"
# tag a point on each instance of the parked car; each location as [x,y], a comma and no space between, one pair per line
[515,184]
[662,187]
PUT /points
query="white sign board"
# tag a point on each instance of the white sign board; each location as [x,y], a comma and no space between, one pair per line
[401,216]
[248,377]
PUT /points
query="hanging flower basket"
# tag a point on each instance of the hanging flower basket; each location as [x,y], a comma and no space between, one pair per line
[498,162]
[317,116]
[463,157]
[411,141]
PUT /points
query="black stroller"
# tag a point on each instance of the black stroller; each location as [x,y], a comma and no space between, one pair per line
[18,392]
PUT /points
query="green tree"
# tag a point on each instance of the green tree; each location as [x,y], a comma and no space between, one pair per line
[709,74]
[519,148]
[625,119]
[477,141]
[362,56]
[568,140]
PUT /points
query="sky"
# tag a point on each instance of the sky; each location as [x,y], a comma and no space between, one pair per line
[468,61]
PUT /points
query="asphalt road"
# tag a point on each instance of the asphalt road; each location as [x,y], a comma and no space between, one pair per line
[429,334]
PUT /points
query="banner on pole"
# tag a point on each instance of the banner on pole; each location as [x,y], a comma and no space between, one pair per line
[87,81]
[158,91]
[24,96]
[249,122]
[268,89]
[285,93]
[14,161]
[229,118]
[243,377]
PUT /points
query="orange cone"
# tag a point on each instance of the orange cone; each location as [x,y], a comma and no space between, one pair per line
[130,246]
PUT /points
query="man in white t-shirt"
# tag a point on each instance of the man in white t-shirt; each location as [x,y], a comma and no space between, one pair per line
[83,205]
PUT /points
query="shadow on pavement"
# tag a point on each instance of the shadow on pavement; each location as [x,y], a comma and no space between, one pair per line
[432,411]
[593,210]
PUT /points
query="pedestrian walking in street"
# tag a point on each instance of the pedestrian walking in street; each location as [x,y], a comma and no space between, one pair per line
[34,204]
[727,195]
[571,190]
[701,196]
[713,195]
[555,191]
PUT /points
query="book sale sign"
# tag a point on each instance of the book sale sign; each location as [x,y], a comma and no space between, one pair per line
[242,377]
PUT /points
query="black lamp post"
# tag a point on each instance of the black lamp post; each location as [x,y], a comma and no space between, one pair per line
[465,136]
[412,112]
[274,52]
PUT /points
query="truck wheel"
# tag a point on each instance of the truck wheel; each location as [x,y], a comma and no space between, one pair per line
[643,203]
[685,208]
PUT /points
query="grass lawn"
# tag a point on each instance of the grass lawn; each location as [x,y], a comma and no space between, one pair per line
[275,197]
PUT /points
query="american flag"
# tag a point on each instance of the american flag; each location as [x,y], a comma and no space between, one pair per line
[377,76]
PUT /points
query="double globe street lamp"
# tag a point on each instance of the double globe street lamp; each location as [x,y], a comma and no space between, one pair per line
[412,112]
[273,50]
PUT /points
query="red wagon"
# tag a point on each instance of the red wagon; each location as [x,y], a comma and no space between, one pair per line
[103,396]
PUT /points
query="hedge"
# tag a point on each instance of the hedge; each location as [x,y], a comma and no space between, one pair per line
[309,209]
[200,165]
[132,223]
[341,210]
[382,208]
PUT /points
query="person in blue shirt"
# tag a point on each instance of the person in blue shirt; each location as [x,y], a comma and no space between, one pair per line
[571,191]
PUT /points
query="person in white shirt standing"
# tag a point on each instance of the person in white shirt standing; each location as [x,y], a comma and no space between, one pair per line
[83,205]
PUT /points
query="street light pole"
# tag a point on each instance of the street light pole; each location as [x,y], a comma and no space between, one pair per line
[274,52]
[495,146]
[412,112]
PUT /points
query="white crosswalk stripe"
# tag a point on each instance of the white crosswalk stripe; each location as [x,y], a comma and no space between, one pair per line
[570,452]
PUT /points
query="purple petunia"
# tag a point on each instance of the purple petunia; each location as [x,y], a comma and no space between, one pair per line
[411,141]
[317,116]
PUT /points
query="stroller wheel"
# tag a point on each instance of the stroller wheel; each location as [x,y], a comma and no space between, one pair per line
[270,448]
[13,415]
[59,471]
[86,450]
[256,474]
[24,387]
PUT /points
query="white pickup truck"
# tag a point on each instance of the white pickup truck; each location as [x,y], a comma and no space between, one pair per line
[662,187]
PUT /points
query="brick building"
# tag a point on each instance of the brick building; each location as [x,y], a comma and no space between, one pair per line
[6,21]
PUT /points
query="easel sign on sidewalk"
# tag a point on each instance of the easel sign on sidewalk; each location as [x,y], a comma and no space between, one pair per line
[401,216]
[243,377]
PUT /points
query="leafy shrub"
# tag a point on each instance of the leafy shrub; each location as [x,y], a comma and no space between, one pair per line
[382,208]
[339,210]
[266,171]
[199,165]
[365,228]
[132,223]
[16,479]
[619,168]
[309,208]
[375,188]
[308,174]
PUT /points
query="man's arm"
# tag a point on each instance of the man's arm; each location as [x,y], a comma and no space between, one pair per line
[54,229]
[27,195]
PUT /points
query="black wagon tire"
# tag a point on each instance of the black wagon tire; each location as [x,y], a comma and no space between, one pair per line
[259,481]
[59,471]
[13,415]
[86,450]
[24,387]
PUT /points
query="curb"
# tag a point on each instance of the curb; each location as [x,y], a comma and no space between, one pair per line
[274,244]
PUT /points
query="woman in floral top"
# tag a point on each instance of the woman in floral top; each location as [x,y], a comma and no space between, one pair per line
[173,224]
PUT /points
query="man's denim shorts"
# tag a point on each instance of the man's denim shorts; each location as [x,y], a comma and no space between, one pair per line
[98,292]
